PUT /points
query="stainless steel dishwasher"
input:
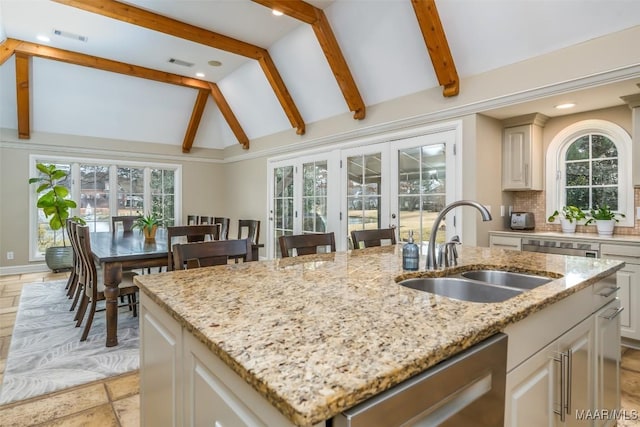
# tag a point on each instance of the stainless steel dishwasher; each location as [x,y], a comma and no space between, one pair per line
[467,389]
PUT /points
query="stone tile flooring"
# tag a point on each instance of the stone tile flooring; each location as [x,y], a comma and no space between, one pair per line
[111,402]
[116,400]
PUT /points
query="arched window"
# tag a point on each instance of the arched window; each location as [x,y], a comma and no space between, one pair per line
[589,165]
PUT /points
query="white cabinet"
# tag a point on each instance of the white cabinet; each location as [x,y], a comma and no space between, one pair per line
[564,380]
[546,389]
[182,383]
[629,283]
[607,360]
[505,242]
[161,378]
[522,160]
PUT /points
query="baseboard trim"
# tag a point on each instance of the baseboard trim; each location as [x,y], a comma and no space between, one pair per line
[22,269]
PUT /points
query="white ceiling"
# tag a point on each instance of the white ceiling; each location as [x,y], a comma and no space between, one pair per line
[380,40]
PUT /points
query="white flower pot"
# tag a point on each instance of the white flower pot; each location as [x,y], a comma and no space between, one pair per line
[605,226]
[567,226]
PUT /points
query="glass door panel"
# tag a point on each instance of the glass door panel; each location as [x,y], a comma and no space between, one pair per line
[282,204]
[364,191]
[421,190]
[314,197]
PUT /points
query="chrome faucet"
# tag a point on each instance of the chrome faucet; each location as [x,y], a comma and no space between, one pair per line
[431,250]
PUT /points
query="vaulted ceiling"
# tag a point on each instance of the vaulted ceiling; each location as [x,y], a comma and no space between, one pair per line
[127,70]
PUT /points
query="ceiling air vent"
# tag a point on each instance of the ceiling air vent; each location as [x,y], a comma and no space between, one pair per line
[180,62]
[70,35]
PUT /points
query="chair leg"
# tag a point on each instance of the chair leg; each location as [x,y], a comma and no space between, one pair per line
[76,297]
[81,310]
[71,282]
[87,326]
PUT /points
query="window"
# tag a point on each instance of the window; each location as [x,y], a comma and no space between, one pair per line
[107,188]
[592,164]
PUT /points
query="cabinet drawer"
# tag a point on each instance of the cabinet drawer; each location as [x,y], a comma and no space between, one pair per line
[627,253]
[505,242]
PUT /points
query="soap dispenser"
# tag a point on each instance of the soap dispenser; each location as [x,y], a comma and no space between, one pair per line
[410,254]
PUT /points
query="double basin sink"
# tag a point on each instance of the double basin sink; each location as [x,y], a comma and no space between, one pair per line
[483,285]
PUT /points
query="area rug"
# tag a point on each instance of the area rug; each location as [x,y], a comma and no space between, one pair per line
[46,354]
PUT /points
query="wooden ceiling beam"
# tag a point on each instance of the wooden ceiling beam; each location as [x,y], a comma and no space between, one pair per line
[315,17]
[75,58]
[228,115]
[23,63]
[140,17]
[194,122]
[437,45]
[7,47]
[26,49]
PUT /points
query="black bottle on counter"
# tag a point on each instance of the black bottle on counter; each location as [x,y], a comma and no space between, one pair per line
[410,254]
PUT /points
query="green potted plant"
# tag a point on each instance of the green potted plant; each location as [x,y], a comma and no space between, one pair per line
[604,218]
[55,204]
[569,218]
[148,224]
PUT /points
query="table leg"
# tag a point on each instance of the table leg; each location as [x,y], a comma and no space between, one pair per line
[112,278]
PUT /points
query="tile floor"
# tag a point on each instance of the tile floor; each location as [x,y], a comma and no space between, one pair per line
[116,401]
[111,402]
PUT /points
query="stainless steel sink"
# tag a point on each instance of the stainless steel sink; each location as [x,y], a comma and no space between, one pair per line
[461,289]
[507,278]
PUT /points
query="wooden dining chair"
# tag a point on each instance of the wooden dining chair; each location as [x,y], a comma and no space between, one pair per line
[192,219]
[205,220]
[204,254]
[189,233]
[73,290]
[249,228]
[367,238]
[306,244]
[224,226]
[94,286]
[126,221]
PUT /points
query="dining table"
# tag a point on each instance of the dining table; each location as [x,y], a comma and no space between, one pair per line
[124,251]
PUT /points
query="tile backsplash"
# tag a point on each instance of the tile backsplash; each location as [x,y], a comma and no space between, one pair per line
[535,201]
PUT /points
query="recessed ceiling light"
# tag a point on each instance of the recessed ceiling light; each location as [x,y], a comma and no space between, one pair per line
[276,12]
[214,63]
[565,105]
[43,38]
[199,74]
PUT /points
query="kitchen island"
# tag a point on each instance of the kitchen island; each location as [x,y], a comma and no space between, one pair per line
[318,334]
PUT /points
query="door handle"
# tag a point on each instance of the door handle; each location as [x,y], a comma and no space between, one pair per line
[612,290]
[613,315]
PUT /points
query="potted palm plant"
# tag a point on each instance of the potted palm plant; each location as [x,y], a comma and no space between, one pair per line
[148,224]
[55,204]
[604,218]
[569,218]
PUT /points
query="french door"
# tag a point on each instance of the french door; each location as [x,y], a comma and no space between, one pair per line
[402,183]
[365,200]
[300,202]
[423,172]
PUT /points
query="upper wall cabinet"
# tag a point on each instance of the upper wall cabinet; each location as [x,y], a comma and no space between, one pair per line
[634,103]
[522,159]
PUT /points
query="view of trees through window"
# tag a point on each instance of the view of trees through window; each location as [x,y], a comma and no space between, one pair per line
[107,189]
[591,163]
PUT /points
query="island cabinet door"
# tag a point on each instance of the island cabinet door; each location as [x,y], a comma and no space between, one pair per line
[553,385]
[529,391]
[216,396]
[160,367]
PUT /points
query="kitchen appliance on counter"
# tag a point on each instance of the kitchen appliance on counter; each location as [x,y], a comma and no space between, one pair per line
[550,246]
[468,386]
[522,221]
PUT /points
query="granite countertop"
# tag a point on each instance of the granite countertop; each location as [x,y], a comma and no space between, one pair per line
[318,334]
